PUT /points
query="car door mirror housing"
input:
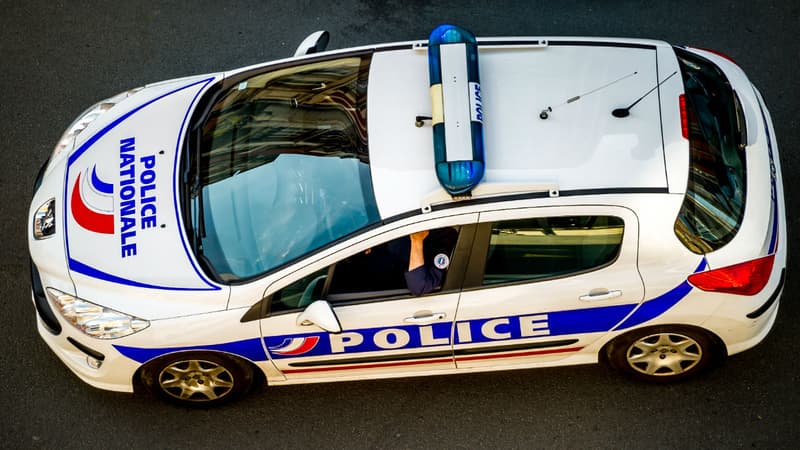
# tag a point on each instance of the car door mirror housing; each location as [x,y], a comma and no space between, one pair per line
[314,43]
[320,314]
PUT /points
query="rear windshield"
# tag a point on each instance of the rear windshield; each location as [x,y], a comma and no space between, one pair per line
[713,208]
[283,168]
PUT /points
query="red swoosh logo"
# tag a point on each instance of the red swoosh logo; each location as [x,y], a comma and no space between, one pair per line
[87,218]
[309,343]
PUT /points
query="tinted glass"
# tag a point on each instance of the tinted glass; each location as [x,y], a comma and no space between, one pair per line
[714,205]
[534,249]
[299,294]
[375,273]
[283,168]
[384,266]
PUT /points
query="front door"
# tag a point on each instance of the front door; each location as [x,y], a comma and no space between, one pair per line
[385,329]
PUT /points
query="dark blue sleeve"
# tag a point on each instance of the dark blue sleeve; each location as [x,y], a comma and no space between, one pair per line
[423,279]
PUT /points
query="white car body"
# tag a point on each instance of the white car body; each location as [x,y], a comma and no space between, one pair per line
[586,161]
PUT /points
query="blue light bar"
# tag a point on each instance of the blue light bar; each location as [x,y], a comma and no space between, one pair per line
[456,108]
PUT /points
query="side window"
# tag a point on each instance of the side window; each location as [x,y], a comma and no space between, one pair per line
[548,247]
[300,293]
[381,271]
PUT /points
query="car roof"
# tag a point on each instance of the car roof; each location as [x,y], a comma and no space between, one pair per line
[580,146]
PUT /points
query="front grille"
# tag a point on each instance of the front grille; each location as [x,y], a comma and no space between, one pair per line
[42,305]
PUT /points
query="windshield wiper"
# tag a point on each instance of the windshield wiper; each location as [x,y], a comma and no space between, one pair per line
[741,124]
[193,197]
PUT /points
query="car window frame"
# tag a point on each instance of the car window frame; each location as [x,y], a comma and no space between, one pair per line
[453,281]
[473,277]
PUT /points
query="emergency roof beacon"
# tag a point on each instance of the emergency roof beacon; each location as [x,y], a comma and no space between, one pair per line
[456,109]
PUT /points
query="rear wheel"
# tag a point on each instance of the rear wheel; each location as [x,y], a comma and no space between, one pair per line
[198,379]
[662,354]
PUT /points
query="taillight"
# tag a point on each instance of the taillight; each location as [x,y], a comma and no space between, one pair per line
[747,278]
[718,54]
[684,117]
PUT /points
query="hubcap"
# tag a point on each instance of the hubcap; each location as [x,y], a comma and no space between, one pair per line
[664,354]
[196,380]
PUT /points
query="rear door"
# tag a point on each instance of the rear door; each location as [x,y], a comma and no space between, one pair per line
[544,283]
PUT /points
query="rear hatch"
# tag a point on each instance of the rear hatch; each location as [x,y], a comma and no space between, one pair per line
[733,211]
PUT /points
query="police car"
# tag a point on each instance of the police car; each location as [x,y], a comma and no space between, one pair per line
[613,200]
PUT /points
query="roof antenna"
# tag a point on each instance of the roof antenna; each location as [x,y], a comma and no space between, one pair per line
[546,112]
[625,112]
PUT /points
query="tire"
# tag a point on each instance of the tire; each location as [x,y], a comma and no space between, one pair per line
[663,353]
[197,378]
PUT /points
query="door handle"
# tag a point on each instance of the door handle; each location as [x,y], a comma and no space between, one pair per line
[427,318]
[600,294]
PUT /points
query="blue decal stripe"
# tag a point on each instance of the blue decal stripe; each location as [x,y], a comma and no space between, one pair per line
[99,185]
[590,320]
[78,153]
[249,349]
[283,344]
[438,330]
[507,328]
[655,307]
[79,267]
[773,242]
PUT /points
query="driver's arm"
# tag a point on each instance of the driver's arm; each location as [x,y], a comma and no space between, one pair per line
[417,256]
[420,278]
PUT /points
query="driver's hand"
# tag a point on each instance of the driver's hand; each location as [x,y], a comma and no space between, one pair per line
[419,236]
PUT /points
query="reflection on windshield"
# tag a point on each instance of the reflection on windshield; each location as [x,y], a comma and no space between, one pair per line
[284,167]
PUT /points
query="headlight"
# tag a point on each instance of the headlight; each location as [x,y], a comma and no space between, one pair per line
[44,222]
[67,140]
[95,320]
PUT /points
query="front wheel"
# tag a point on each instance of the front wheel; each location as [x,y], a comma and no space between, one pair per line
[663,353]
[197,379]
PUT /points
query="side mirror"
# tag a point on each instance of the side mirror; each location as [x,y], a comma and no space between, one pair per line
[320,314]
[314,43]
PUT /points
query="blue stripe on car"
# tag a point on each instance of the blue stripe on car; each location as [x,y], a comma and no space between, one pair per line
[248,348]
[555,323]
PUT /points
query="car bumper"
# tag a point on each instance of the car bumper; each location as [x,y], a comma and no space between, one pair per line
[95,362]
[741,335]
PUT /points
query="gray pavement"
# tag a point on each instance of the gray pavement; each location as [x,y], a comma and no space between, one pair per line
[58,57]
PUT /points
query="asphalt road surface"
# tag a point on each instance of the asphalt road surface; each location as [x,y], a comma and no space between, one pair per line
[58,57]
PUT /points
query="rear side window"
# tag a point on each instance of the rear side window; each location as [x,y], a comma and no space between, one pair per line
[713,208]
[549,247]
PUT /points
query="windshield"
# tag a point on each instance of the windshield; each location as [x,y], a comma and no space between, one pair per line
[283,168]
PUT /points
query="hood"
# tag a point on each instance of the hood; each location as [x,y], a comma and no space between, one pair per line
[122,214]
